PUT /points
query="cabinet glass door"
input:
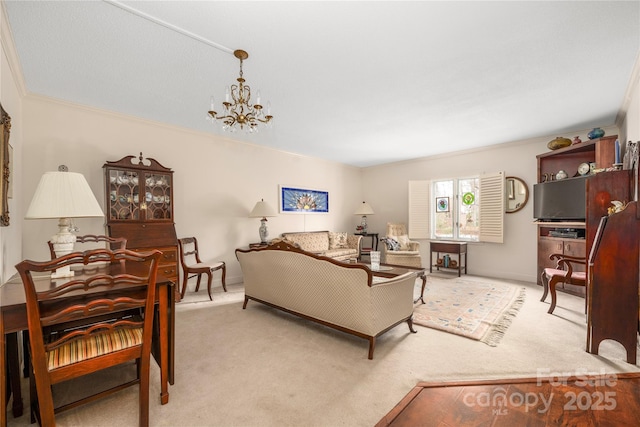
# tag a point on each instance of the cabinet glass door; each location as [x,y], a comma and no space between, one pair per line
[157,199]
[124,195]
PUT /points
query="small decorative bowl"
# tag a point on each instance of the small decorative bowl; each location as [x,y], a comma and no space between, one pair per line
[595,133]
[559,142]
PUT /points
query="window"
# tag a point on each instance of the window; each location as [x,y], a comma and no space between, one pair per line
[466,208]
[457,214]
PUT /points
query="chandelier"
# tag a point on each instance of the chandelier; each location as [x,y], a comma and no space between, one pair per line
[237,109]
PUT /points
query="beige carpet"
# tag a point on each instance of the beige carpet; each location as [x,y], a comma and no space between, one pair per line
[262,367]
[479,310]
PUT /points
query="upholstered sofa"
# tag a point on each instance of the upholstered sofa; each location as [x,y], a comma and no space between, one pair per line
[344,296]
[339,246]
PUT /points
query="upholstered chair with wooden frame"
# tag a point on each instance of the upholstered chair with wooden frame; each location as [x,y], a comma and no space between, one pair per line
[193,266]
[112,243]
[85,334]
[563,273]
[398,249]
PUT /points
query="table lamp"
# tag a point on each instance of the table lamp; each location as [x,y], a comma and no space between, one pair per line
[63,195]
[262,210]
[364,209]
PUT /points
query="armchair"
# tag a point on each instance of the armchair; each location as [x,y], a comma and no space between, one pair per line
[563,273]
[398,249]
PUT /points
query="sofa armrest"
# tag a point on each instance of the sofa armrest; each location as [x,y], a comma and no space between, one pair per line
[392,300]
[414,246]
[353,242]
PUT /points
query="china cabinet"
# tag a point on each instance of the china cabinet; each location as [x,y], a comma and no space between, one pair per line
[139,207]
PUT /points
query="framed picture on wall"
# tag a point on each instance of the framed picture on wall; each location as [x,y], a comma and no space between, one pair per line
[5,127]
[442,204]
[303,200]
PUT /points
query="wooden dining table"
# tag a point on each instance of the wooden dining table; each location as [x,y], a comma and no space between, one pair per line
[13,319]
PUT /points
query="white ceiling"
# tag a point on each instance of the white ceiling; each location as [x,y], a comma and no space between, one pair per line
[362,83]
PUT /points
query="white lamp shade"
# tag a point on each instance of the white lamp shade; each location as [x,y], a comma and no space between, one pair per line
[364,209]
[63,195]
[262,210]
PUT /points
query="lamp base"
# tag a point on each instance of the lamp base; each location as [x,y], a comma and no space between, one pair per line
[264,233]
[363,224]
[62,272]
[63,243]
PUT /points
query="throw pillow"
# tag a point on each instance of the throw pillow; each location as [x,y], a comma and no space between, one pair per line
[404,242]
[338,241]
[392,244]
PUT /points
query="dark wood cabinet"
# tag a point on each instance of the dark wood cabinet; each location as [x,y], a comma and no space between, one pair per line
[613,282]
[601,188]
[599,151]
[139,206]
[555,245]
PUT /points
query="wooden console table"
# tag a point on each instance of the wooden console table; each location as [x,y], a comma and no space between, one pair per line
[448,247]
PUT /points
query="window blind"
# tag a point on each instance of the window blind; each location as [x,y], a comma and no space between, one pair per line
[419,209]
[492,206]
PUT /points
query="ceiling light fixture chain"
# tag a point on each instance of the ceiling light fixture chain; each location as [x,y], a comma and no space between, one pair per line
[238,111]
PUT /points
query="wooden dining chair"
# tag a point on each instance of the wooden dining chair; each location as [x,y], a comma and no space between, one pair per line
[193,266]
[77,335]
[112,243]
[108,242]
[563,273]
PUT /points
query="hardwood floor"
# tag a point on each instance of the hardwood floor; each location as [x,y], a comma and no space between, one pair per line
[582,400]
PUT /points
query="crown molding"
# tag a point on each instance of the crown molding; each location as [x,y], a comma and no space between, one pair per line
[9,49]
[632,87]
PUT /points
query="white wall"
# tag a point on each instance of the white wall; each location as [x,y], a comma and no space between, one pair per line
[386,188]
[216,181]
[10,96]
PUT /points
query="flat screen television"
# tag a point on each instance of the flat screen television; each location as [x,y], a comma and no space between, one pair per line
[562,200]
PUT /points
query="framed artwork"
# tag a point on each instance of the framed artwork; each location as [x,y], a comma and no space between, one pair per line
[442,204]
[302,200]
[5,128]
[10,191]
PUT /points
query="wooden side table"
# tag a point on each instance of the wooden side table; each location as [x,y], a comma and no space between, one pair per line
[447,247]
[374,243]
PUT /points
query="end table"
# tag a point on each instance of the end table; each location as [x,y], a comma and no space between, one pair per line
[374,243]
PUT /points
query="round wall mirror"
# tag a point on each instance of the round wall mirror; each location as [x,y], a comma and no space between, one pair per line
[517,194]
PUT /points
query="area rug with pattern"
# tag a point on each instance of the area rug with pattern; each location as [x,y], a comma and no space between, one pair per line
[478,310]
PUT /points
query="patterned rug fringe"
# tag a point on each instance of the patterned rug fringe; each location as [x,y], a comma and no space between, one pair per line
[497,331]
